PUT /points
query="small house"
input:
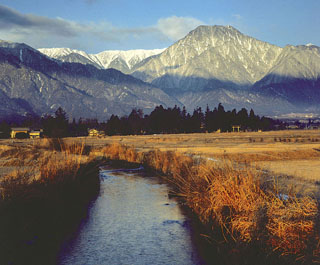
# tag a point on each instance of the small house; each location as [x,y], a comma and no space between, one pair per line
[35,134]
[95,133]
[19,131]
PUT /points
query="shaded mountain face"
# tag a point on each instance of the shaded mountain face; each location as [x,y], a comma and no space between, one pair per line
[123,61]
[295,76]
[33,82]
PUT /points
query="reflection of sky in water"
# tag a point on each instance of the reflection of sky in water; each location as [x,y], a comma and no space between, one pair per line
[132,223]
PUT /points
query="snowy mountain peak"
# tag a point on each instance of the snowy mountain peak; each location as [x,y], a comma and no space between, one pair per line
[210,57]
[59,52]
[120,60]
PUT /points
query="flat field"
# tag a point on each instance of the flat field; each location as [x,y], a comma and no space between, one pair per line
[293,155]
[249,184]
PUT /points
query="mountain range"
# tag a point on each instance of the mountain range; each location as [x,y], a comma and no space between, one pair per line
[31,82]
[212,64]
[123,61]
[215,64]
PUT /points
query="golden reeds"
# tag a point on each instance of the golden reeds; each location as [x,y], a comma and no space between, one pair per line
[225,197]
[233,200]
[44,200]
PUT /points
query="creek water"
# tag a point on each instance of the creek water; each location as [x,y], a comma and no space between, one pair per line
[133,221]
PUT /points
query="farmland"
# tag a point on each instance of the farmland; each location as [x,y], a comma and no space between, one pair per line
[260,188]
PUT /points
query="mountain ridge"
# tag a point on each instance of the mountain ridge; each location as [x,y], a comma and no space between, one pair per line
[123,61]
[210,52]
[210,65]
[82,90]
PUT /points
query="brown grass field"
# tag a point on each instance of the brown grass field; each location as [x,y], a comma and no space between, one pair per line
[293,156]
[259,189]
[288,153]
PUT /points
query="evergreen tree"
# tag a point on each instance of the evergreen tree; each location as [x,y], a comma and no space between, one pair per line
[4,130]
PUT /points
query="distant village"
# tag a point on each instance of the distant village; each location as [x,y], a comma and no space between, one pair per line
[160,120]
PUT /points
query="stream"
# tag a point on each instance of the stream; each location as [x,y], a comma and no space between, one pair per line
[133,221]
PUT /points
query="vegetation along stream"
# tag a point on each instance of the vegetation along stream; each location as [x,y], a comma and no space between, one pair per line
[133,221]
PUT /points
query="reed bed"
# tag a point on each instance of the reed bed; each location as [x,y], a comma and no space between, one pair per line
[48,193]
[41,204]
[233,201]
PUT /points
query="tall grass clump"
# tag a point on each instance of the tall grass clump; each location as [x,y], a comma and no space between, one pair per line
[236,207]
[41,204]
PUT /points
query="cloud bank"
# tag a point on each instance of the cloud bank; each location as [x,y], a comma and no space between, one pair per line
[40,31]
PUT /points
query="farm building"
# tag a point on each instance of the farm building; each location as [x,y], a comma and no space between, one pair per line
[95,132]
[35,134]
[19,131]
[25,133]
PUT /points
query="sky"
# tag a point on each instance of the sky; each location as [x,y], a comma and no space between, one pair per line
[98,25]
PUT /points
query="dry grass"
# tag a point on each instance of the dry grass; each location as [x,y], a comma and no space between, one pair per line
[234,201]
[292,225]
[277,155]
[230,195]
[282,153]
[42,202]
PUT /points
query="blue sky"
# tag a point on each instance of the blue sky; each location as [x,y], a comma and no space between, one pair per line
[98,25]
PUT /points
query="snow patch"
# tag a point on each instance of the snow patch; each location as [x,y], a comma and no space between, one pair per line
[21,58]
[105,58]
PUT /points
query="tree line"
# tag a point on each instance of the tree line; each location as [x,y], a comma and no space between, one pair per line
[160,120]
[177,120]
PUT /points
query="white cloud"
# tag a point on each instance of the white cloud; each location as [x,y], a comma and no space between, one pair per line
[176,28]
[39,31]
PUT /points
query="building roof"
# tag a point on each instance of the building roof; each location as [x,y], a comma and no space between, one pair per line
[20,129]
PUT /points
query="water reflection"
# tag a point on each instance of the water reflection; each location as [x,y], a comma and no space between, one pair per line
[132,222]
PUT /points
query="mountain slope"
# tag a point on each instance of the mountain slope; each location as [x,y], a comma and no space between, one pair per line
[82,90]
[209,57]
[295,75]
[123,61]
[215,64]
[212,64]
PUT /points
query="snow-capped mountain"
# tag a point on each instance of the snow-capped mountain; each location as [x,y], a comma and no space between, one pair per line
[123,61]
[212,64]
[31,82]
[215,64]
[210,57]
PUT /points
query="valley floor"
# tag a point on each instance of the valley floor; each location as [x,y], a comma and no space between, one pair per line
[293,155]
[285,160]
